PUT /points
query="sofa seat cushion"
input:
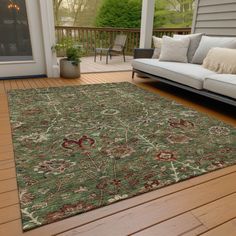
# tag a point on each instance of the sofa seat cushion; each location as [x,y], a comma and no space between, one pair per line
[223,84]
[184,73]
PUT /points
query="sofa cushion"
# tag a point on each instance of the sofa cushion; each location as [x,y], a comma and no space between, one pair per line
[184,73]
[194,43]
[207,43]
[221,60]
[178,46]
[157,45]
[223,84]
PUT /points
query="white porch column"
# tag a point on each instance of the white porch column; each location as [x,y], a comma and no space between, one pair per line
[148,8]
[48,28]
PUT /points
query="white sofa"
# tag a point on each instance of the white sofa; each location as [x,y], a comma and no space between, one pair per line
[188,76]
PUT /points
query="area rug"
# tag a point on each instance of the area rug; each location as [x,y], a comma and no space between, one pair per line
[82,147]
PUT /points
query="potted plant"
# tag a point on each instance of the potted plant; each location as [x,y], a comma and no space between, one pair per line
[70,65]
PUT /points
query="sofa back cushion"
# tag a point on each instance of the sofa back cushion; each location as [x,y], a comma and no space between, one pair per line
[207,43]
[174,49]
[157,42]
[221,60]
[194,43]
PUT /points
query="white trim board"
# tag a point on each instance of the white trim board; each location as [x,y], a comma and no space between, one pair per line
[48,28]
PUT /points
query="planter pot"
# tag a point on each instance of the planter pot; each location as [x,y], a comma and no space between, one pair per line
[68,70]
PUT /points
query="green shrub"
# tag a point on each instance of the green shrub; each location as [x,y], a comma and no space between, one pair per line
[119,14]
[74,50]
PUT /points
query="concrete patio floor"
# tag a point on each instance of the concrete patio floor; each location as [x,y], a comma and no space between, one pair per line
[115,64]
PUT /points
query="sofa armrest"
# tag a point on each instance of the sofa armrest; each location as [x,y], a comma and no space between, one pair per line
[143,52]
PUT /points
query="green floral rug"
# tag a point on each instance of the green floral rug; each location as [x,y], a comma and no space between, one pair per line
[82,147]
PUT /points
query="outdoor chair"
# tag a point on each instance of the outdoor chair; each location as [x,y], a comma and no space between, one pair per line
[118,47]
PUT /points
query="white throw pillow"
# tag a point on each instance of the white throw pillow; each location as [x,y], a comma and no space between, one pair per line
[211,42]
[174,49]
[221,60]
[194,43]
[157,45]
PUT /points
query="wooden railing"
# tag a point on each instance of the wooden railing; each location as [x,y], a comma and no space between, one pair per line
[91,37]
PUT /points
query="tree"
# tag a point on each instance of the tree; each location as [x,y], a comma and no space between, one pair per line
[56,6]
[119,13]
[75,12]
[76,7]
[173,13]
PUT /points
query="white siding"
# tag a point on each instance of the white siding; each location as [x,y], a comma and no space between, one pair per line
[215,17]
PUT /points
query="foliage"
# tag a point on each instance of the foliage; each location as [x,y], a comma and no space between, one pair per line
[56,8]
[122,13]
[173,13]
[75,12]
[127,13]
[74,51]
[73,54]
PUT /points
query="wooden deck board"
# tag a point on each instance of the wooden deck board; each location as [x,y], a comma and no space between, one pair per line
[202,205]
[217,212]
[180,225]
[7,164]
[227,229]
[8,199]
[8,155]
[8,185]
[10,213]
[159,210]
[116,64]
[7,173]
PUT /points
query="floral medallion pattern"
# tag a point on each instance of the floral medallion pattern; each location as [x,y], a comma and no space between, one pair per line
[82,147]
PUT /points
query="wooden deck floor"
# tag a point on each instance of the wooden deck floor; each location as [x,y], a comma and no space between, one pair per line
[116,64]
[204,205]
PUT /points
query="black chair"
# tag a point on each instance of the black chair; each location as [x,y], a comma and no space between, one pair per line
[118,47]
